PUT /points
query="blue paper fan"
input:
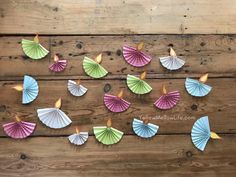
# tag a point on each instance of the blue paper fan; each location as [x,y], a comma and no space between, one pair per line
[30,89]
[201,133]
[196,88]
[144,130]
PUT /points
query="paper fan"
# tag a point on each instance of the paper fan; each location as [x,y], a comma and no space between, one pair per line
[19,129]
[58,65]
[167,100]
[172,62]
[107,135]
[54,117]
[116,103]
[34,49]
[76,89]
[198,88]
[78,138]
[93,68]
[144,129]
[138,85]
[201,133]
[29,89]
[135,57]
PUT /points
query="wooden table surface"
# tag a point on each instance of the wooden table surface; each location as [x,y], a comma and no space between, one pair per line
[202,33]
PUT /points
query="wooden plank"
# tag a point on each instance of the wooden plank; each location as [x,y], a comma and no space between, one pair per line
[203,53]
[162,155]
[117,17]
[89,111]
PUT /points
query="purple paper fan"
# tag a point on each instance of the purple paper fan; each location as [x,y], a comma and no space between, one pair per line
[58,65]
[135,57]
[115,104]
[19,130]
[168,100]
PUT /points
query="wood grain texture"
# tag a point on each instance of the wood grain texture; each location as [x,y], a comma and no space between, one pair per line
[214,54]
[162,156]
[117,17]
[89,110]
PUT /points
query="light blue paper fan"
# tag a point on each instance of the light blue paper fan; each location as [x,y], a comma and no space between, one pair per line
[144,130]
[30,89]
[201,133]
[196,88]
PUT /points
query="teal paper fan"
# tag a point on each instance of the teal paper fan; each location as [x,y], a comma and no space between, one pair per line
[34,49]
[138,85]
[93,68]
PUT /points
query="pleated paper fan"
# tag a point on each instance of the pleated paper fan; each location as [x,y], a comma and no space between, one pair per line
[107,135]
[201,133]
[54,117]
[167,100]
[197,88]
[78,138]
[135,57]
[76,89]
[144,130]
[59,65]
[19,129]
[34,49]
[138,85]
[93,68]
[116,103]
[172,62]
[29,89]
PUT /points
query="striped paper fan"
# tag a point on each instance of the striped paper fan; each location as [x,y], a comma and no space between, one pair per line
[168,101]
[76,89]
[34,49]
[107,135]
[78,138]
[115,104]
[58,65]
[196,88]
[144,130]
[135,57]
[138,86]
[29,89]
[53,118]
[200,133]
[172,62]
[93,69]
[19,129]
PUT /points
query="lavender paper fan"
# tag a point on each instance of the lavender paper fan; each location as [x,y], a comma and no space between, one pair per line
[76,89]
[172,62]
[115,104]
[19,130]
[135,57]
[53,118]
[78,138]
[58,66]
[168,101]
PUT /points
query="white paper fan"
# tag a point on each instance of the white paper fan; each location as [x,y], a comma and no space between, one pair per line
[76,89]
[78,138]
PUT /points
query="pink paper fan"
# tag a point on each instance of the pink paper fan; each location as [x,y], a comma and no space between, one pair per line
[115,104]
[58,65]
[19,130]
[168,100]
[135,57]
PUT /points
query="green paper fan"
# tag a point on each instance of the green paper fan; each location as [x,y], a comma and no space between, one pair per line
[138,86]
[93,69]
[107,135]
[34,49]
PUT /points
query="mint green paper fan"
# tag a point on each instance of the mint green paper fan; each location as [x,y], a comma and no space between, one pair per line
[33,49]
[138,86]
[93,69]
[107,135]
